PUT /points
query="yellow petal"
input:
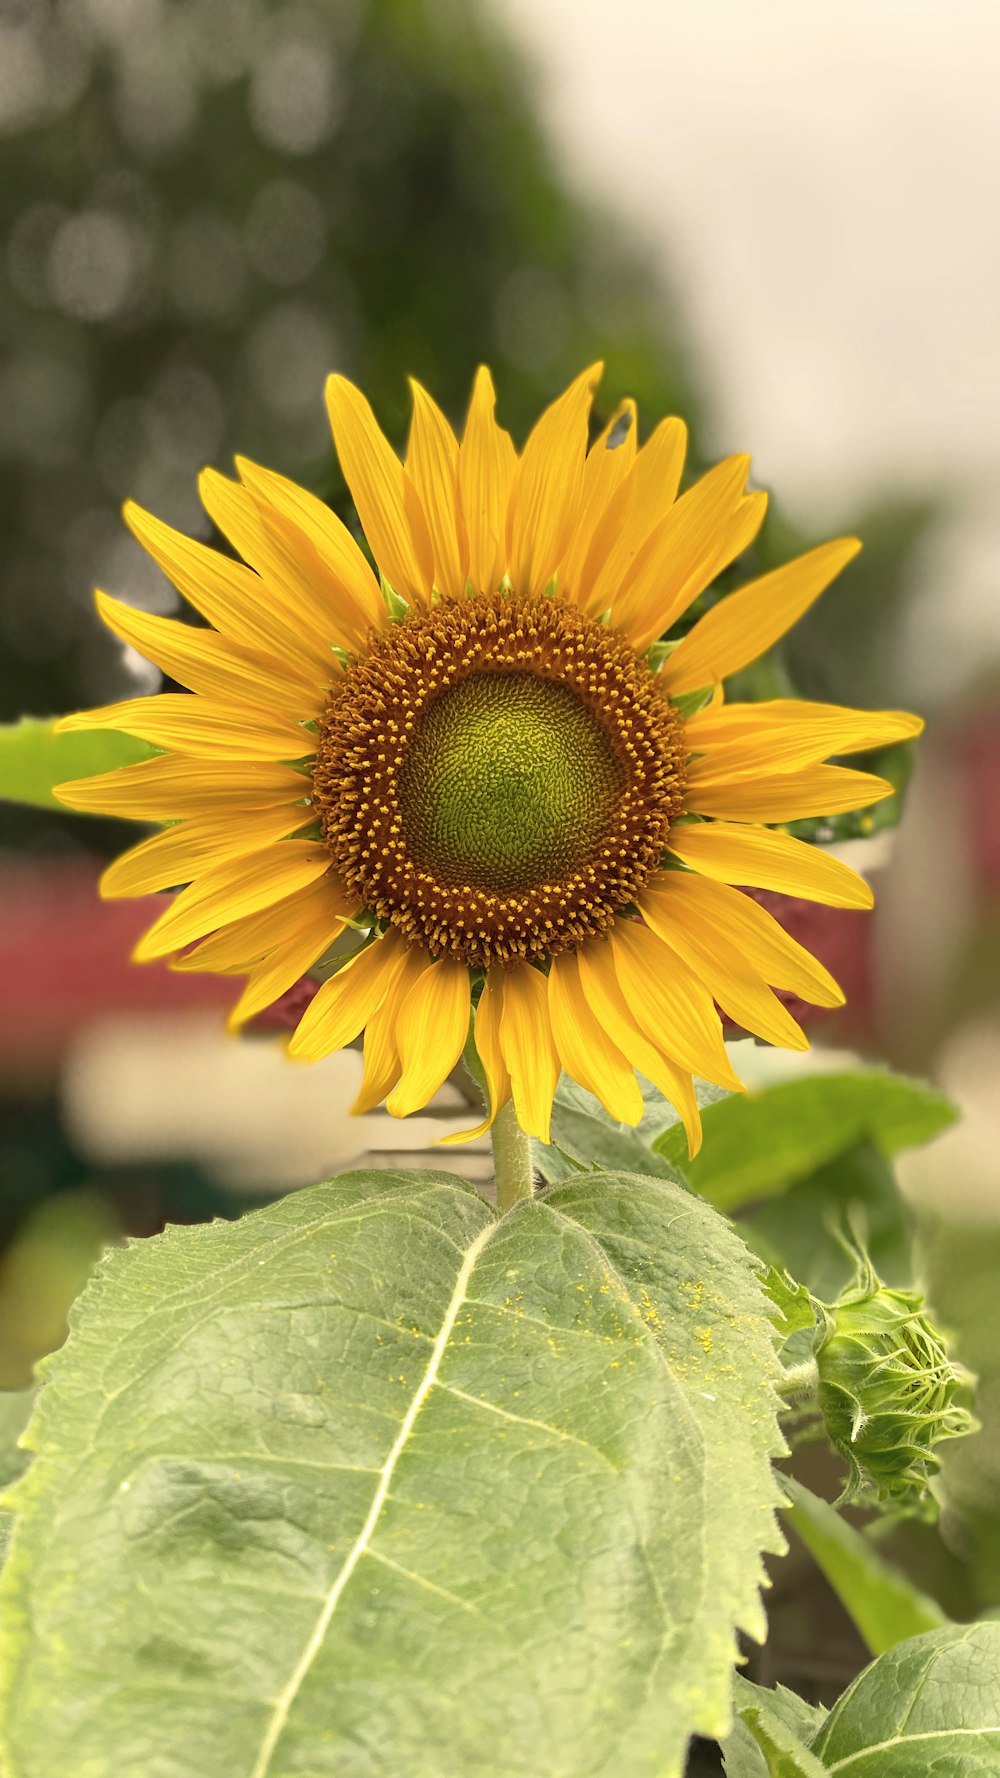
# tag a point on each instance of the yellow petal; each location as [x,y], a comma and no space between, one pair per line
[609,461]
[295,582]
[317,535]
[654,604]
[382,1061]
[787,796]
[681,550]
[284,966]
[639,503]
[545,498]
[432,464]
[348,1000]
[387,502]
[241,886]
[750,621]
[486,465]
[169,786]
[487,1035]
[431,1029]
[235,948]
[797,732]
[193,725]
[721,964]
[206,662]
[527,1047]
[710,913]
[192,847]
[231,596]
[761,859]
[586,1050]
[608,1003]
[669,1004]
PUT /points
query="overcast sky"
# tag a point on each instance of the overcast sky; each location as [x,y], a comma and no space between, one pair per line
[823,179]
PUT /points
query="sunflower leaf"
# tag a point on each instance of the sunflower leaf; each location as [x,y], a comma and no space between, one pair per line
[758,1144]
[928,1708]
[371,1481]
[33,758]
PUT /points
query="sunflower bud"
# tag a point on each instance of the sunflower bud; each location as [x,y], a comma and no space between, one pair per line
[888,1391]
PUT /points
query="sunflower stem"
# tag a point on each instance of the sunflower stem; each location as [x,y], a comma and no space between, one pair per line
[512,1162]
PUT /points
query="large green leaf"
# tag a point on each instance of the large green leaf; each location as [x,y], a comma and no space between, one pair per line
[33,757]
[776,1743]
[15,1411]
[886,1607]
[758,1144]
[373,1482]
[929,1708]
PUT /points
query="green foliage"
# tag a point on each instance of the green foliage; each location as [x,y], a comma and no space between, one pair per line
[929,1708]
[759,1144]
[886,1607]
[373,1481]
[15,1411]
[33,758]
[584,1137]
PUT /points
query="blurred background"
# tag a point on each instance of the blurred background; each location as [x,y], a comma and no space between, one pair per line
[781,221]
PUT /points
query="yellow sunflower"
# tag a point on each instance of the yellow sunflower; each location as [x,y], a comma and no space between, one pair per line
[482,758]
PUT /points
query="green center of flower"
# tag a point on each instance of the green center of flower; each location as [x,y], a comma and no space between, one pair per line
[508,781]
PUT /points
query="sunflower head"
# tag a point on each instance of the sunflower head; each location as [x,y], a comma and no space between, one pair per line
[452,767]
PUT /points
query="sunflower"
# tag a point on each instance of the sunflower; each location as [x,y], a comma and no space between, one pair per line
[482,762]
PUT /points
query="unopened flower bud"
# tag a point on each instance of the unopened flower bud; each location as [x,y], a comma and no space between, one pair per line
[888,1391]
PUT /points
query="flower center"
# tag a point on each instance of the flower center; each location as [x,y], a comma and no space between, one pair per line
[497,776]
[508,780]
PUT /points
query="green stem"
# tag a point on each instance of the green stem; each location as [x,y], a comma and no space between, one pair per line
[512,1163]
[799,1379]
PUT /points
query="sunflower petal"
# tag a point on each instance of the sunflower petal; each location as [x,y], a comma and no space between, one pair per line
[432,464]
[608,1003]
[284,966]
[431,1030]
[382,1061]
[487,1038]
[169,786]
[657,607]
[705,914]
[681,549]
[206,662]
[316,533]
[192,847]
[193,725]
[235,948]
[795,732]
[486,467]
[609,461]
[528,1050]
[241,886]
[348,1000]
[231,596]
[387,502]
[758,858]
[787,796]
[670,1005]
[721,965]
[548,486]
[747,623]
[586,1050]
[639,503]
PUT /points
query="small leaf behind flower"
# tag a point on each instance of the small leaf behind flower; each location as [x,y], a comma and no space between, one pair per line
[372,1481]
[33,757]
